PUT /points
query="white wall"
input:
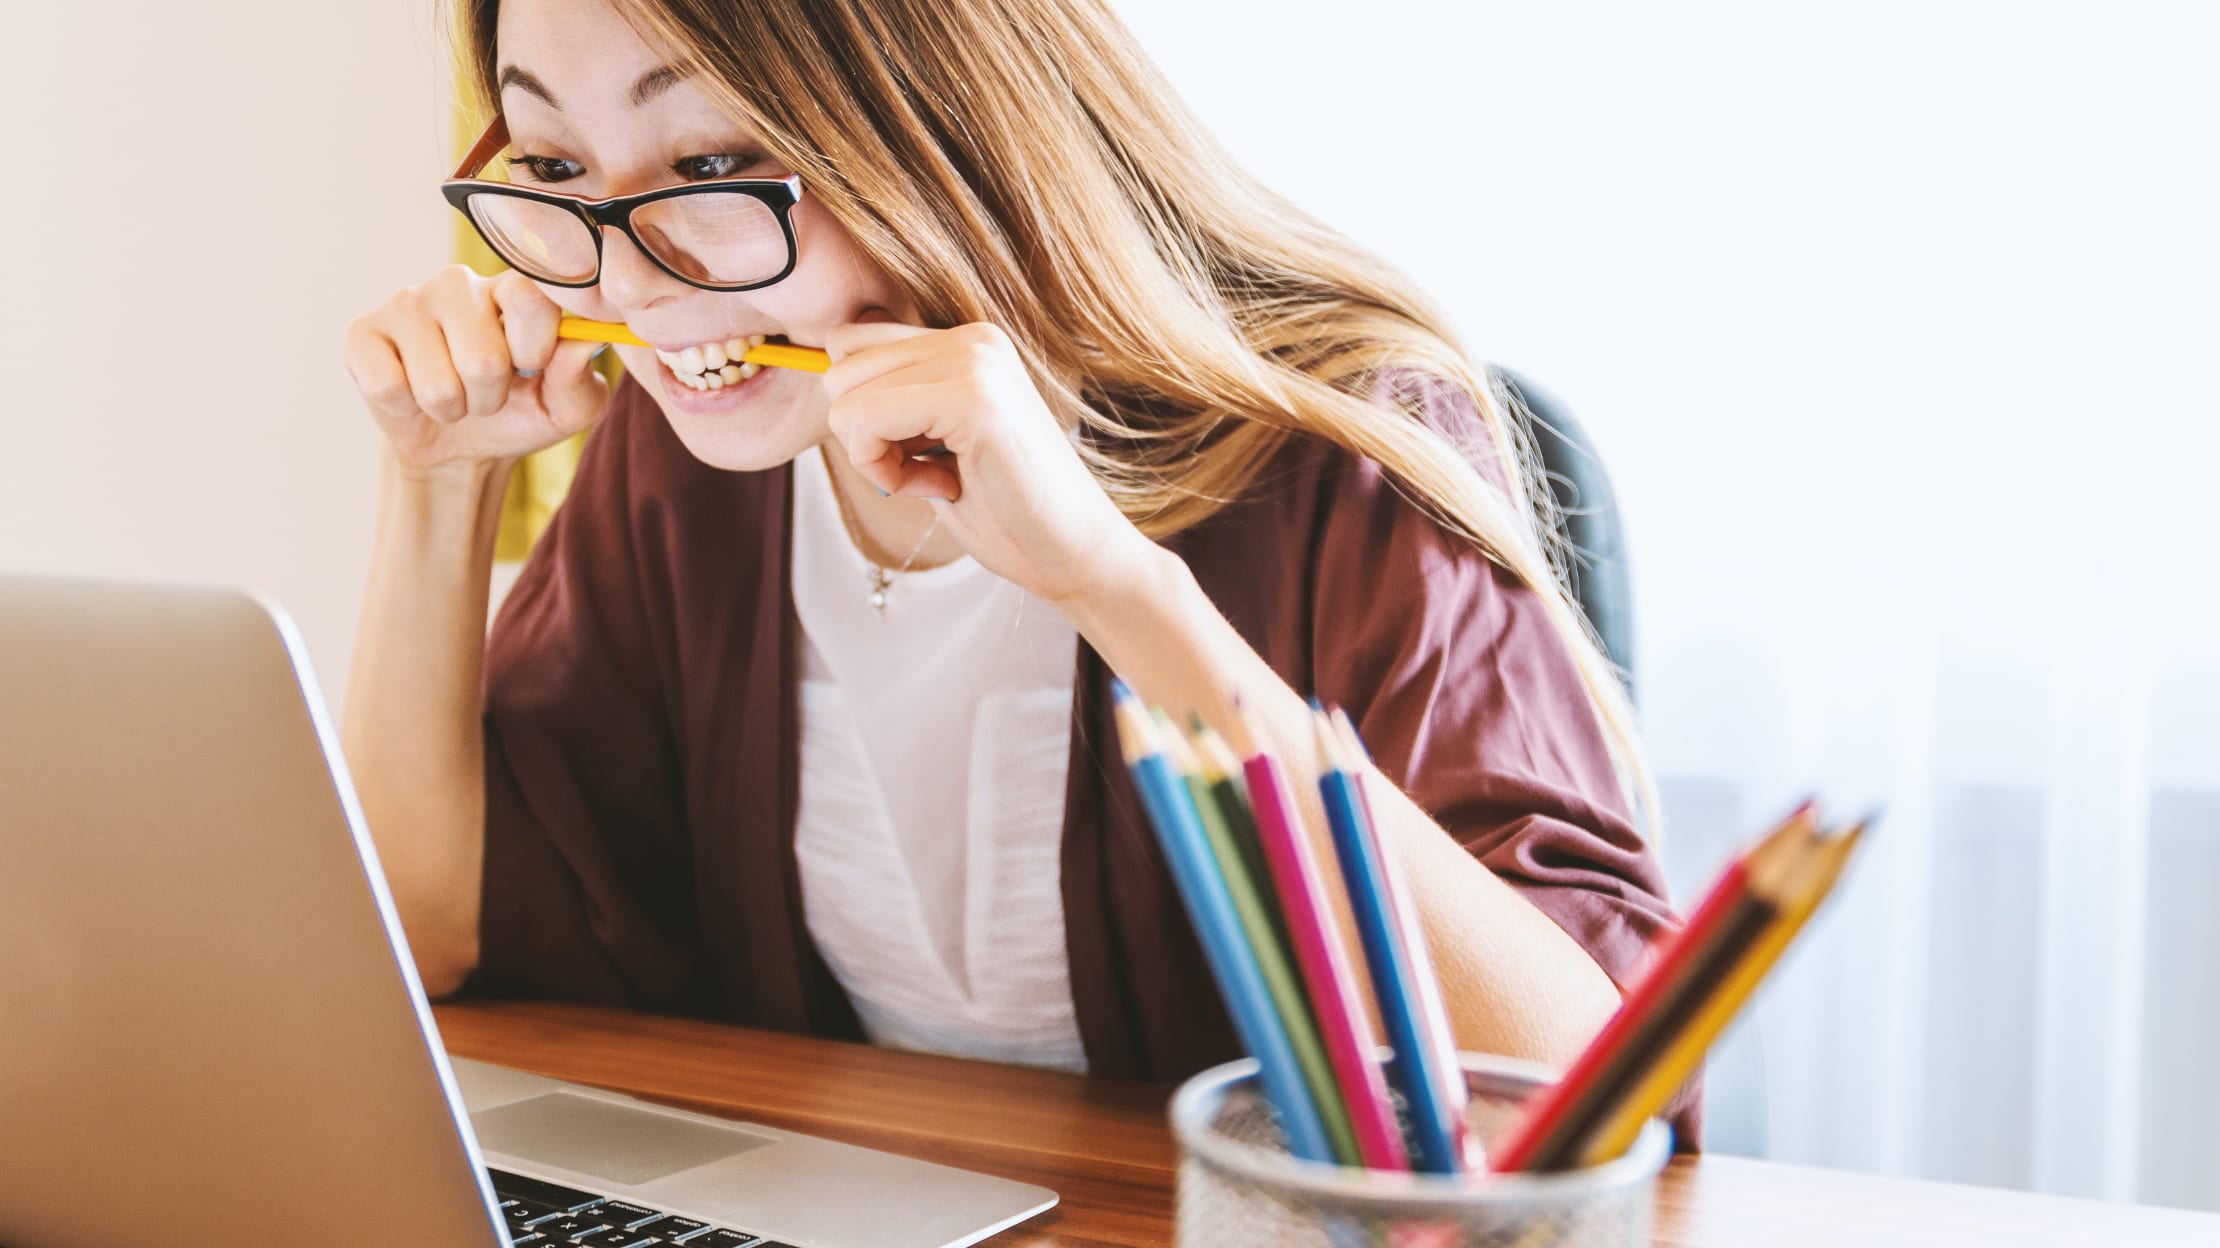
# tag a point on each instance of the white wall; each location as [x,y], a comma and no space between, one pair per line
[197,199]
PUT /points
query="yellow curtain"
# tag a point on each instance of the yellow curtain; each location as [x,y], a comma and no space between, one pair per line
[537,485]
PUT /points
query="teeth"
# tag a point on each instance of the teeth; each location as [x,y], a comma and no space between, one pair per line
[714,365]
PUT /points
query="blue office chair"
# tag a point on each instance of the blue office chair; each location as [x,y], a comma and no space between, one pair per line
[1588,514]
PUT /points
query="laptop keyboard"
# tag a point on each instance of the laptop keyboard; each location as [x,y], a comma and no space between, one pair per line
[541,1214]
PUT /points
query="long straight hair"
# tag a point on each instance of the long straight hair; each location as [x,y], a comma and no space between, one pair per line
[1023,162]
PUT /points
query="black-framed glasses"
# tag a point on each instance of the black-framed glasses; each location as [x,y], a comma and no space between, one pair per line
[734,234]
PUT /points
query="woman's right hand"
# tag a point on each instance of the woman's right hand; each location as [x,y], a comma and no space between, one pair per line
[442,367]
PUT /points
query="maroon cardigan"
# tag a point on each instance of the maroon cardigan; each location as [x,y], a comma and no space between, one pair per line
[642,745]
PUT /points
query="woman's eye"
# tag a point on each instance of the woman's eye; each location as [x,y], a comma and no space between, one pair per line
[545,168]
[703,168]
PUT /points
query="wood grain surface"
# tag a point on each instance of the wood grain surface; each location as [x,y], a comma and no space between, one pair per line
[1105,1145]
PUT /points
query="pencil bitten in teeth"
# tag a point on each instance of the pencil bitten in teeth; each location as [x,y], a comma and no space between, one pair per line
[714,365]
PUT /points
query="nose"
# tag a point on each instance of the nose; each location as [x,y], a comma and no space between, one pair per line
[629,279]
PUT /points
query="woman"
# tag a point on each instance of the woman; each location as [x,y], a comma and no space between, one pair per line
[798,714]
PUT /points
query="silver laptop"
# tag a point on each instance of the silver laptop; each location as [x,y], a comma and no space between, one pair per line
[211,1031]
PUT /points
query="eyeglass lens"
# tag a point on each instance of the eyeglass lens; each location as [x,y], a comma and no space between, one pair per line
[726,239]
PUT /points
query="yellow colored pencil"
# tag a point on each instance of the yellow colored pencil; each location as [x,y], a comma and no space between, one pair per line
[770,354]
[1808,885]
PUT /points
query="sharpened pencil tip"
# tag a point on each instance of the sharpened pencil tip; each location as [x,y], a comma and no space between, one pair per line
[1136,733]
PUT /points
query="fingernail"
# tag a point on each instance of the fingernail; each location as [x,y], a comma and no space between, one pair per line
[882,493]
[527,372]
[597,353]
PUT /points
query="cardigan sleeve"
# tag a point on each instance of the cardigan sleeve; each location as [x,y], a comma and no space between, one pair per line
[1468,697]
[584,813]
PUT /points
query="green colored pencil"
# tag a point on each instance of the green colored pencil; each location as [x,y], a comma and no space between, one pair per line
[1273,954]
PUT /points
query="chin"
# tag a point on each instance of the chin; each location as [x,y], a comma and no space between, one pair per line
[760,423]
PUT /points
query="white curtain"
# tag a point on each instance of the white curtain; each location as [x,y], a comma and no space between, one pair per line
[1896,326]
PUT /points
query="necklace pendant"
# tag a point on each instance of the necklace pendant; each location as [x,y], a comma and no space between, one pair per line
[879,581]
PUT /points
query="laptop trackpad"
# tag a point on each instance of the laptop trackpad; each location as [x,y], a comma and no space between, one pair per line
[620,1143]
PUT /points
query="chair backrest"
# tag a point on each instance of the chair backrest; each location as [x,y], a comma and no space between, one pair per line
[1588,514]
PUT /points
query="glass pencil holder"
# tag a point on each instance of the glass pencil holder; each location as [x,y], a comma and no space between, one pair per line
[1238,1186]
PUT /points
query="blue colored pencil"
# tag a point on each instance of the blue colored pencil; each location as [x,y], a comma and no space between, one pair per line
[1436,1125]
[1210,907]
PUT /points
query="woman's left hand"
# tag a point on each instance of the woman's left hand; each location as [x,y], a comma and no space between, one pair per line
[1014,489]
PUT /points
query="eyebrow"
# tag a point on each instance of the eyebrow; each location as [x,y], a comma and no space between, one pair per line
[651,84]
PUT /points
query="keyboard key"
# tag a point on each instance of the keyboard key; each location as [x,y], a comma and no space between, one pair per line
[612,1237]
[722,1238]
[531,1241]
[623,1213]
[522,1213]
[674,1228]
[570,1227]
[567,1199]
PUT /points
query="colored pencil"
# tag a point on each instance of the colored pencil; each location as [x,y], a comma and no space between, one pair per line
[1222,771]
[1337,1002]
[1812,877]
[1203,889]
[1447,1068]
[1551,1119]
[1248,892]
[1434,1139]
[770,354]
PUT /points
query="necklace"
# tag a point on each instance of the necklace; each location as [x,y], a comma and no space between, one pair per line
[877,577]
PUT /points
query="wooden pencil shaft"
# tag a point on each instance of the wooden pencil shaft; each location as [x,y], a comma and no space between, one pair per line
[769,354]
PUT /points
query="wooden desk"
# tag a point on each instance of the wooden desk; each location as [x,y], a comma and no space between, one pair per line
[1106,1147]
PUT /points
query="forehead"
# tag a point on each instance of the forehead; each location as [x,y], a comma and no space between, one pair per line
[582,50]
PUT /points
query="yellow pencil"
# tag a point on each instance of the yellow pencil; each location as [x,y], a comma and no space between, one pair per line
[1808,883]
[770,354]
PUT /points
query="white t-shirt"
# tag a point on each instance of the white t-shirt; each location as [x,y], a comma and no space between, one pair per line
[935,743]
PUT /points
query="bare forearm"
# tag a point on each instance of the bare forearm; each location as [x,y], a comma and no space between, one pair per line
[1514,982]
[412,728]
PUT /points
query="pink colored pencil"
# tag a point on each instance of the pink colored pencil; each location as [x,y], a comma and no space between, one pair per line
[1319,955]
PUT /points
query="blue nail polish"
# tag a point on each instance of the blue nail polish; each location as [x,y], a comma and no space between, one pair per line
[882,493]
[597,353]
[527,372]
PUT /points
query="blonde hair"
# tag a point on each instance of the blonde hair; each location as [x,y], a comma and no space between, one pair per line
[1022,162]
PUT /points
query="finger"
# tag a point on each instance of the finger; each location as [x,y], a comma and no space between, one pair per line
[935,478]
[855,334]
[434,387]
[913,468]
[375,364]
[883,424]
[472,326]
[860,351]
[528,321]
[574,395]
